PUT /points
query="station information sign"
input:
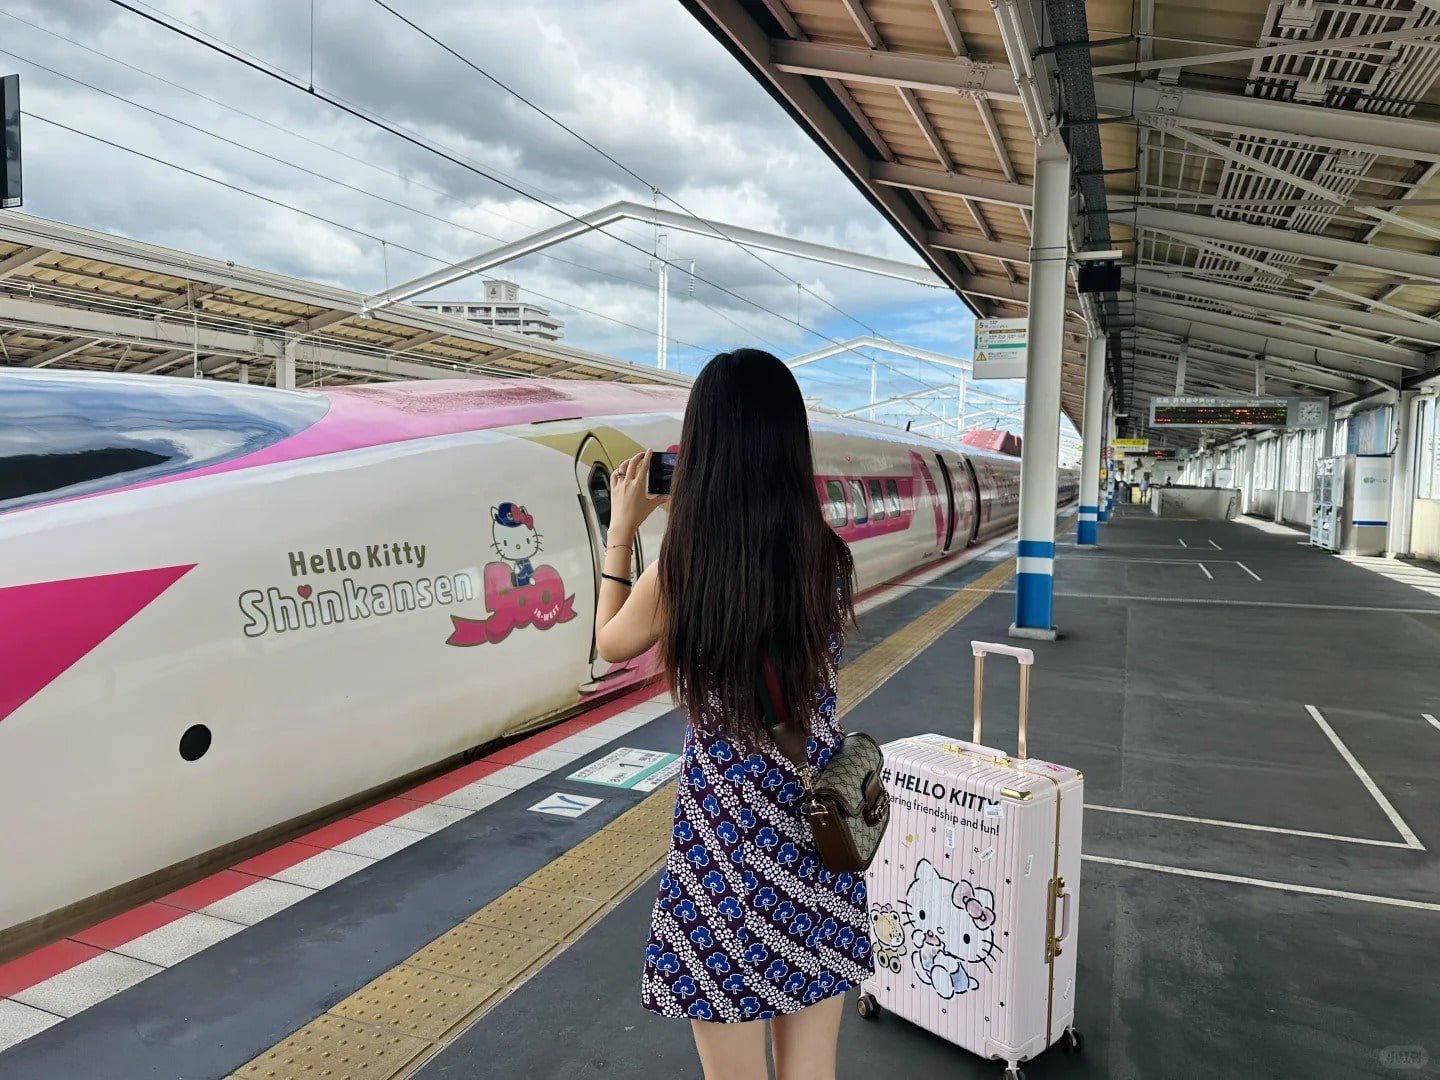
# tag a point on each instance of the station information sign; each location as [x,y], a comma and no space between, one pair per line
[1239,412]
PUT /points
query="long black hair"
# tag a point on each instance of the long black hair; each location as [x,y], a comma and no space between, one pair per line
[750,570]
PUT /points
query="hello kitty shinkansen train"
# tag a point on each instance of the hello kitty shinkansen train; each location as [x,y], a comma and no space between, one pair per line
[224,607]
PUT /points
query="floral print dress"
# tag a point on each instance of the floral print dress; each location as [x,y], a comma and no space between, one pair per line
[748,924]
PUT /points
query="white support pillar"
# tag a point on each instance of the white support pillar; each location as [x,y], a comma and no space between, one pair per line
[1402,476]
[285,366]
[1180,369]
[1087,533]
[1039,459]
[244,370]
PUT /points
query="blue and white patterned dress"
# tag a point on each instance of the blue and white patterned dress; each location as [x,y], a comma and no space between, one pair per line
[748,924]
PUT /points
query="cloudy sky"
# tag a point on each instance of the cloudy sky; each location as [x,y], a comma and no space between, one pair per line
[638,78]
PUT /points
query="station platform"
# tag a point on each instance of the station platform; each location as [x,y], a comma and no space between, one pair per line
[1256,721]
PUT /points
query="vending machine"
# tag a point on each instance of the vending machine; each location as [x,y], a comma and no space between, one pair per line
[1352,504]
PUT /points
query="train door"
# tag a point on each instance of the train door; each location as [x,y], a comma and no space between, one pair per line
[949,501]
[593,466]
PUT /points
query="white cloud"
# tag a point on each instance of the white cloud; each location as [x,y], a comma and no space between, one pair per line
[640,78]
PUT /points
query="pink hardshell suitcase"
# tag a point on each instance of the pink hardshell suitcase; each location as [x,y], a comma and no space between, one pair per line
[973,891]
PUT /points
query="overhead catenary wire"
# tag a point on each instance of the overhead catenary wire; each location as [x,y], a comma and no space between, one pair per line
[610,158]
[317,217]
[424,144]
[322,176]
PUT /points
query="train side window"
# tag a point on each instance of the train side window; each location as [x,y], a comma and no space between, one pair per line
[857,491]
[877,501]
[835,509]
[892,498]
[600,498]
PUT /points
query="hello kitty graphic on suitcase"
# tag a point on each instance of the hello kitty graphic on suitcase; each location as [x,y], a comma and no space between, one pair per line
[973,891]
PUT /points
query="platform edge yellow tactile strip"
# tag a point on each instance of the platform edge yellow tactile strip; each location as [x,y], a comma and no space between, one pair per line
[394,1024]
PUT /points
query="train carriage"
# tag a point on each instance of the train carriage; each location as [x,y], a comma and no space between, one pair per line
[227,608]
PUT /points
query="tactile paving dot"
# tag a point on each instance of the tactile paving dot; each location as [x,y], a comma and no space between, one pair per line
[416,1001]
[553,916]
[332,1046]
[625,848]
[584,877]
[482,953]
[655,814]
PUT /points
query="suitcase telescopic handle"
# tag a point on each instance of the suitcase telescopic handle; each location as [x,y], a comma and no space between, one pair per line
[1026,660]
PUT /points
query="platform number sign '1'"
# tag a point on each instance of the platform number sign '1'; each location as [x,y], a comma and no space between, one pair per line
[10,194]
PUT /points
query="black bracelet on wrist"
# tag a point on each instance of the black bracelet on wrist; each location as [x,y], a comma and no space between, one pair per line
[618,580]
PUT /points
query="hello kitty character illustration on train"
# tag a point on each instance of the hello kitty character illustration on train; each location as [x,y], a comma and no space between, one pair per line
[952,930]
[887,934]
[518,593]
[515,540]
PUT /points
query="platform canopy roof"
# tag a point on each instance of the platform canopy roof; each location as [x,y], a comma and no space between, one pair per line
[76,298]
[1267,167]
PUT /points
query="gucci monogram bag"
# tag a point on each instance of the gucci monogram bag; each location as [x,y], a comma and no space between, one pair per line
[845,802]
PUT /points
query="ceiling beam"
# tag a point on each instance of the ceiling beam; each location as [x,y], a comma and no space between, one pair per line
[912,71]
[1418,34]
[1256,345]
[1315,310]
[936,182]
[970,245]
[1391,355]
[1285,242]
[166,359]
[25,257]
[1311,375]
[61,350]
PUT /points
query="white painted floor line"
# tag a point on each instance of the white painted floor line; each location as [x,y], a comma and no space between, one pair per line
[1262,883]
[1403,829]
[1183,544]
[1216,546]
[1248,827]
[1247,570]
[1205,570]
[1433,722]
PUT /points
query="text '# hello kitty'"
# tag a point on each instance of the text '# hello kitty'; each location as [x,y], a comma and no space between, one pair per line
[517,592]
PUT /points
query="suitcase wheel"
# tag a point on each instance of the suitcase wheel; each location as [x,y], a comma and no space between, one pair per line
[1074,1042]
[867,1006]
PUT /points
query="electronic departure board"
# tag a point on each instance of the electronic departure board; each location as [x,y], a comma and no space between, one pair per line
[1237,412]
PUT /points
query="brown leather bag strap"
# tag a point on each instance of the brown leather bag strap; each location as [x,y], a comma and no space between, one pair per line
[789,739]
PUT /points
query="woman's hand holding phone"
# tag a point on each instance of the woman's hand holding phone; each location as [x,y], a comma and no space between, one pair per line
[630,502]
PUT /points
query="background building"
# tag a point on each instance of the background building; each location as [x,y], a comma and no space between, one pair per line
[503,310]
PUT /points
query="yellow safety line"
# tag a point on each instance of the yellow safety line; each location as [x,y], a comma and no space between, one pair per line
[391,1026]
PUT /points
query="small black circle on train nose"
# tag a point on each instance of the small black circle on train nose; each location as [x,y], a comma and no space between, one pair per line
[195,742]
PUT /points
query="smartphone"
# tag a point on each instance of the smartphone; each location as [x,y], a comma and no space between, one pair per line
[662,470]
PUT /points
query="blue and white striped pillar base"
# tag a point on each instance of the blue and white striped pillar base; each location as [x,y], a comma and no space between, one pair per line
[1087,534]
[1034,589]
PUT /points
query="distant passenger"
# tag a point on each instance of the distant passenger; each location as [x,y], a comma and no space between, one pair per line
[737,601]
[1169,481]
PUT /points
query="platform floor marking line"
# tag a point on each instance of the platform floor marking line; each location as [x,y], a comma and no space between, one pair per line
[1433,722]
[1411,840]
[1206,571]
[603,870]
[1220,823]
[1182,543]
[1211,600]
[1247,570]
[1216,546]
[1263,883]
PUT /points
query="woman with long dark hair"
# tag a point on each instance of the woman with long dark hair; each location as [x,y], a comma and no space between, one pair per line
[748,603]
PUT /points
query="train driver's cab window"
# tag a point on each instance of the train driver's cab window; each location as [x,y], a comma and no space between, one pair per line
[600,498]
[857,491]
[877,501]
[598,486]
[892,498]
[71,434]
[835,509]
